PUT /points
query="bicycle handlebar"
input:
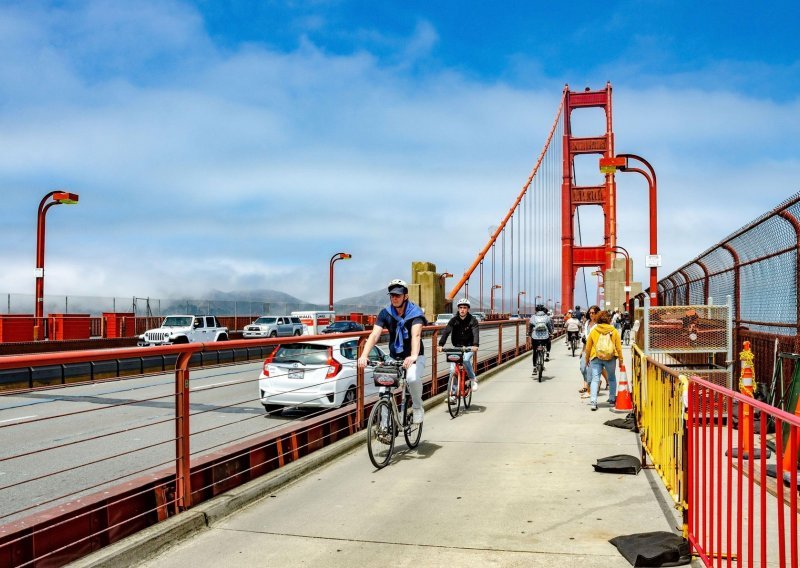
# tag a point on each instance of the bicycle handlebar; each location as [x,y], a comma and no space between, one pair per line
[456,349]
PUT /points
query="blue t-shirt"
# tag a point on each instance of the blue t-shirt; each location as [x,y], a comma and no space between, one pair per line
[386,321]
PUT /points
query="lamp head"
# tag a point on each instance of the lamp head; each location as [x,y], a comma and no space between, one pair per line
[65,198]
[612,164]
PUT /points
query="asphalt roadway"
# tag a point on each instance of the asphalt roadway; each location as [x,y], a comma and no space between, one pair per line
[508,483]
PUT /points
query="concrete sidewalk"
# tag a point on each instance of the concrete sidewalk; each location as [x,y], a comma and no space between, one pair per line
[509,483]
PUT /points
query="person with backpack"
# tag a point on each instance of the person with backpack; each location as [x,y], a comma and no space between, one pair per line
[603,348]
[540,330]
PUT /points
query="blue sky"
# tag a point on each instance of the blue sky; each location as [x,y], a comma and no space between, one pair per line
[237,145]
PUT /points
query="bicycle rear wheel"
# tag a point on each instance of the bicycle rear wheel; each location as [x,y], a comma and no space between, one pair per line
[467,388]
[453,400]
[572,344]
[411,432]
[380,434]
[541,365]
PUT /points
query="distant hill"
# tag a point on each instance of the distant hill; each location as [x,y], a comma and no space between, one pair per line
[263,295]
[376,298]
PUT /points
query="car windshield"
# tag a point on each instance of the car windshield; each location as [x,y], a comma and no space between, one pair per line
[265,320]
[339,325]
[444,316]
[305,353]
[177,321]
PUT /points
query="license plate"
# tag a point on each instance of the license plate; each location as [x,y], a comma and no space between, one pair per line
[296,373]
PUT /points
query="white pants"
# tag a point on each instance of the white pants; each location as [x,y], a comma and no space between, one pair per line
[414,379]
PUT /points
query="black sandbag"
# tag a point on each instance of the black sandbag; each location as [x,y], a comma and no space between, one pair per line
[627,423]
[618,464]
[658,548]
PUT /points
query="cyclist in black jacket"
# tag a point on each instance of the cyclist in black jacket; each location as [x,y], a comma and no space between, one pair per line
[465,333]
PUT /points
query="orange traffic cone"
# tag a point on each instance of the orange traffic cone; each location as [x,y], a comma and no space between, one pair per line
[624,401]
[747,386]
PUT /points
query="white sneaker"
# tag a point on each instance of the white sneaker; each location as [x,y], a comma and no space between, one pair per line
[418,414]
[452,398]
[474,385]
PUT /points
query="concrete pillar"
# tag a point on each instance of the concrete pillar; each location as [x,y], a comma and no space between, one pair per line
[427,289]
[614,280]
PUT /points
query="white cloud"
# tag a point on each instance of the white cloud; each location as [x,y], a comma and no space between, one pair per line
[249,168]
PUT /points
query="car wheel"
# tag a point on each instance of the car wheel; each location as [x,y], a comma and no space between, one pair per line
[274,334]
[181,339]
[273,409]
[222,337]
[349,396]
[297,334]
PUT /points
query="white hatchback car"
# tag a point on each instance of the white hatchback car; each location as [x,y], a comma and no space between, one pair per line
[319,374]
[442,319]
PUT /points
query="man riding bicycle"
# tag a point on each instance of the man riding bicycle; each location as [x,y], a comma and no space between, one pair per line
[540,329]
[465,333]
[404,320]
[573,328]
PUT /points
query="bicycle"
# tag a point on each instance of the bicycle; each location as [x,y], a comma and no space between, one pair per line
[459,386]
[386,420]
[538,362]
[573,341]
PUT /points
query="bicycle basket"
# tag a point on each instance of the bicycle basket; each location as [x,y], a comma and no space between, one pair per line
[386,376]
[455,357]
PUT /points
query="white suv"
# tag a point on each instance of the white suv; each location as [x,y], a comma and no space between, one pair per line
[184,329]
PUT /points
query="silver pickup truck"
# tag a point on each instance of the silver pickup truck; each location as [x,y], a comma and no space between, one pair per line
[274,326]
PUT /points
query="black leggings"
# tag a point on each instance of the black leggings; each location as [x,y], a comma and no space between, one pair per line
[536,342]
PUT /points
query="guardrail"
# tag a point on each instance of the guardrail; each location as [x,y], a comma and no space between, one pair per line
[738,490]
[135,452]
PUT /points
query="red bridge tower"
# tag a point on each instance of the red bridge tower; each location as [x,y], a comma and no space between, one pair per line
[573,196]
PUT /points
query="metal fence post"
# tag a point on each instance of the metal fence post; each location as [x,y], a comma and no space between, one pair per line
[360,386]
[434,363]
[499,342]
[183,485]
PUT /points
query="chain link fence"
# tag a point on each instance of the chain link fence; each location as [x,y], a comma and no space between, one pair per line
[757,266]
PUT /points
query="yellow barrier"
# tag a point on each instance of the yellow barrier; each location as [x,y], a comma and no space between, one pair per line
[658,405]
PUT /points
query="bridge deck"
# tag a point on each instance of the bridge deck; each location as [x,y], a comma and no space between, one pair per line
[510,482]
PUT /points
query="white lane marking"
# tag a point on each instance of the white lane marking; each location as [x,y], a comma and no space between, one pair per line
[20,418]
[214,385]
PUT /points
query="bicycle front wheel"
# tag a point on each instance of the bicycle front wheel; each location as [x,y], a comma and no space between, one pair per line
[412,432]
[380,433]
[453,395]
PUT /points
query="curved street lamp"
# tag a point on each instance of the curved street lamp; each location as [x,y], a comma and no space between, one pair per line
[334,258]
[521,293]
[619,162]
[48,201]
[491,297]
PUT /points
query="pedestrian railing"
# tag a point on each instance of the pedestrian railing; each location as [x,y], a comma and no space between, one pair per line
[729,462]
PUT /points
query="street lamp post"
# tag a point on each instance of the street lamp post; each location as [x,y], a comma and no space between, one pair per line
[334,258]
[620,162]
[627,273]
[52,198]
[491,297]
[521,293]
[600,286]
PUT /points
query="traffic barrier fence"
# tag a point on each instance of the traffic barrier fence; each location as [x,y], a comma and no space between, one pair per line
[93,463]
[736,486]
